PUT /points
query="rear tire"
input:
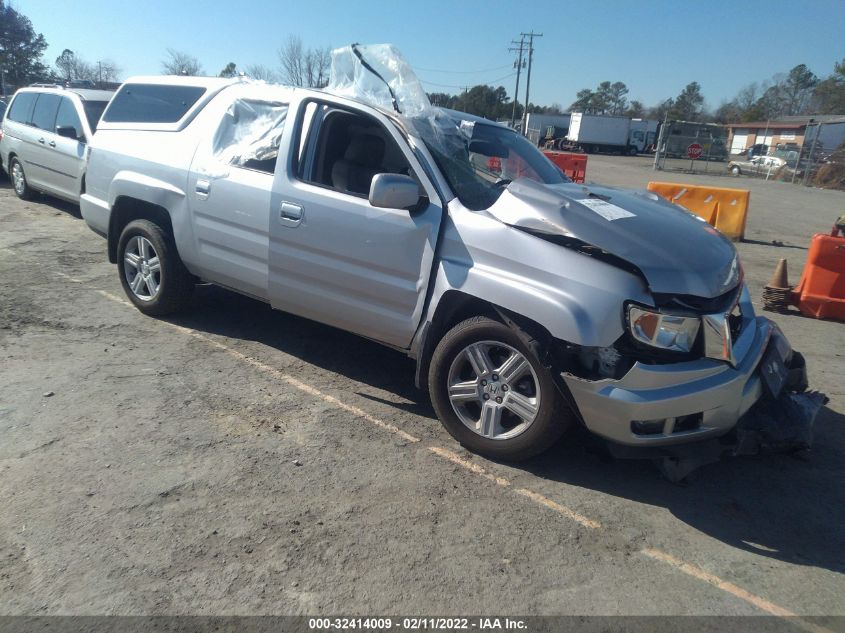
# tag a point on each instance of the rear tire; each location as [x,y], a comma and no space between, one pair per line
[151,272]
[18,178]
[736,171]
[492,394]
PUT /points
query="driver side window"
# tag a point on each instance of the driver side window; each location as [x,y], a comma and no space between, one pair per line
[345,149]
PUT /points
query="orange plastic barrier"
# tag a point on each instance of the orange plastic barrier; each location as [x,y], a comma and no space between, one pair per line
[573,165]
[726,209]
[821,291]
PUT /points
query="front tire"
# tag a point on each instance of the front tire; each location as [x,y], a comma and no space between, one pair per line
[492,394]
[18,178]
[151,272]
[736,171]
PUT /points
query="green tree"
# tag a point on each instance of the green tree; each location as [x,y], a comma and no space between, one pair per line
[635,109]
[21,49]
[829,95]
[617,101]
[796,90]
[689,104]
[231,70]
[583,101]
[607,98]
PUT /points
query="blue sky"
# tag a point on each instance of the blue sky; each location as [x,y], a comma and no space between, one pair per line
[655,46]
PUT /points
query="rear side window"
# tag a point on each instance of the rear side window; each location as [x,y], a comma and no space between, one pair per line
[67,117]
[21,109]
[150,103]
[44,115]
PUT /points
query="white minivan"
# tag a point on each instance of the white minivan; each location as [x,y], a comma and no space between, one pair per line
[44,138]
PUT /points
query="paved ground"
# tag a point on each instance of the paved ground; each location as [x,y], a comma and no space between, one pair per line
[238,461]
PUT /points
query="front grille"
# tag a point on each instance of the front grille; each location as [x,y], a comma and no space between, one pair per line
[702,305]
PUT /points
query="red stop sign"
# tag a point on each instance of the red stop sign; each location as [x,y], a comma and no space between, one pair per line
[694,151]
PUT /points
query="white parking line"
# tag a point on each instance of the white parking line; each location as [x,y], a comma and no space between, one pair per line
[729,587]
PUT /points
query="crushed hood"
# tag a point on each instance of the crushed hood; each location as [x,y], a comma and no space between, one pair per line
[677,252]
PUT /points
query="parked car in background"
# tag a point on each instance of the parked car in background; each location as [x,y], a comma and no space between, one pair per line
[756,165]
[44,137]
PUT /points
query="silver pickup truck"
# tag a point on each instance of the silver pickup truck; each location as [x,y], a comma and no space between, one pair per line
[528,302]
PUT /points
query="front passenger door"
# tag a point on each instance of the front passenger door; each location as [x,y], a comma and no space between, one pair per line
[334,257]
[68,156]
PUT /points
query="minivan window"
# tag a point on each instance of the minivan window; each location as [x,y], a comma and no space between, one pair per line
[150,103]
[44,114]
[93,112]
[22,107]
[67,117]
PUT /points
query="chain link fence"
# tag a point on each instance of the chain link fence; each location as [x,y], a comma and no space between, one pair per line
[691,147]
[821,159]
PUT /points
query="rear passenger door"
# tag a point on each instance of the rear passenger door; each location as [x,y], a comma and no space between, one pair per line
[229,189]
[39,156]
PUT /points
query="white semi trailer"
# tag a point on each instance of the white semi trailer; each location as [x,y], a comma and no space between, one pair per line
[601,133]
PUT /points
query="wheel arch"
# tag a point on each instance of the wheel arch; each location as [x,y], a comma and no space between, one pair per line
[126,209]
[456,306]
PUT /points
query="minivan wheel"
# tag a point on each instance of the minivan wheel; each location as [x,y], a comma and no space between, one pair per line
[492,394]
[21,187]
[735,170]
[151,272]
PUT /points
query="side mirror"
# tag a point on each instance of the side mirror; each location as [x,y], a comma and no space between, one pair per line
[394,191]
[68,131]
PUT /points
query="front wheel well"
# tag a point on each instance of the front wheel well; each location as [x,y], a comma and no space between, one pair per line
[125,210]
[453,308]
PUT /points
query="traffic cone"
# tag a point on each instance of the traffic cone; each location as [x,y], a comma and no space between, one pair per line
[776,294]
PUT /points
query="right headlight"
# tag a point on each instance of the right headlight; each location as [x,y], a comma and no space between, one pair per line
[664,331]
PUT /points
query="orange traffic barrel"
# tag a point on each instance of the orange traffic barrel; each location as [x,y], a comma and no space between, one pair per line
[821,291]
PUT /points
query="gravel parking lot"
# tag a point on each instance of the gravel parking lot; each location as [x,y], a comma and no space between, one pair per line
[238,460]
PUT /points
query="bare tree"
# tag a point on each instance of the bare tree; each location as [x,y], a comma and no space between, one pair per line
[107,70]
[304,67]
[71,67]
[262,73]
[66,64]
[292,61]
[181,63]
[316,67]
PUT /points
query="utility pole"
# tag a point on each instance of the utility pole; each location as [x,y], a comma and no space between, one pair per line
[531,37]
[519,64]
[100,71]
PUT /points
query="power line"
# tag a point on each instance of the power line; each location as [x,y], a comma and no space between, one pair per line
[492,81]
[461,72]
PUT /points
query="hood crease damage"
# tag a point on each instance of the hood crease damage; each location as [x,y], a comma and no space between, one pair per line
[673,250]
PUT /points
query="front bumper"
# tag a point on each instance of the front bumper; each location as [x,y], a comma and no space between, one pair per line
[713,394]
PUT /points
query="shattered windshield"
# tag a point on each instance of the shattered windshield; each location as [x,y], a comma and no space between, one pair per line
[480,160]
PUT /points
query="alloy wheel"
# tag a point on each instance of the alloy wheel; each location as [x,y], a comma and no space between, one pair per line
[494,390]
[142,268]
[18,179]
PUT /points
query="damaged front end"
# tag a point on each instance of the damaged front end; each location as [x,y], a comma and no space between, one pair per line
[685,410]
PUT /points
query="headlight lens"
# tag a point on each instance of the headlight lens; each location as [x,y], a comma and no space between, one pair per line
[665,331]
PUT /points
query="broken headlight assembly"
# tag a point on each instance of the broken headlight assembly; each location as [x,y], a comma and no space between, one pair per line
[672,332]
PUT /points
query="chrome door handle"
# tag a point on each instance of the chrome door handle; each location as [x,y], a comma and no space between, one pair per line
[202,188]
[52,143]
[41,140]
[290,214]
